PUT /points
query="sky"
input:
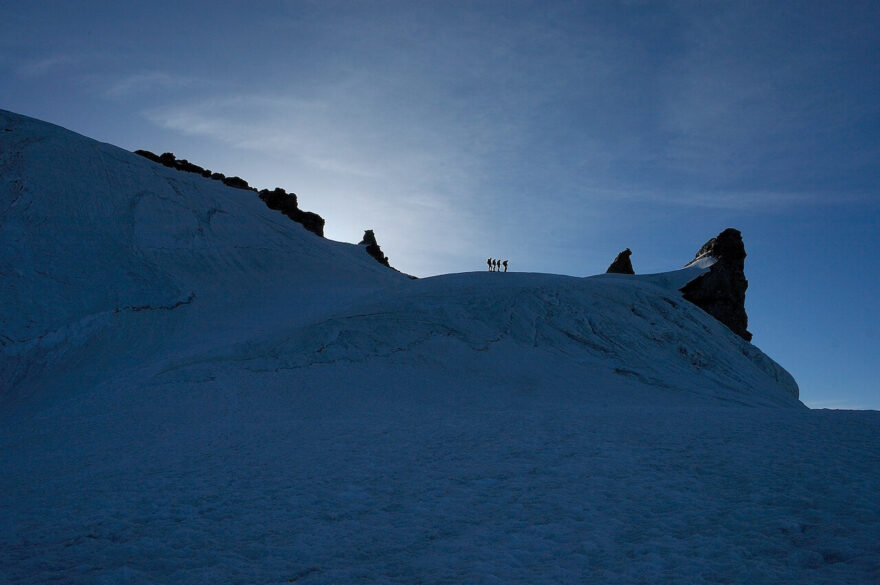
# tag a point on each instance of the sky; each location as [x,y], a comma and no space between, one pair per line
[552,134]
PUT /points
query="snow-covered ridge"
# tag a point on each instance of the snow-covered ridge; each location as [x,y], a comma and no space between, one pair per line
[110,259]
[90,230]
[639,331]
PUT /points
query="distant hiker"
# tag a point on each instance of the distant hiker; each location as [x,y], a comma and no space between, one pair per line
[497,265]
[489,262]
[505,265]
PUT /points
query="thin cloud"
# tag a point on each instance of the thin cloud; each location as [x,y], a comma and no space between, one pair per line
[269,125]
[40,67]
[752,201]
[334,134]
[254,122]
[335,165]
[746,201]
[146,82]
[367,171]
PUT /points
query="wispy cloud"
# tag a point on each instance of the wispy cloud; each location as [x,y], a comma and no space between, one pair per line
[44,65]
[552,113]
[275,125]
[367,169]
[720,199]
[151,81]
[758,200]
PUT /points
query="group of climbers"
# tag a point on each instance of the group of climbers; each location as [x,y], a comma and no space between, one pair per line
[495,265]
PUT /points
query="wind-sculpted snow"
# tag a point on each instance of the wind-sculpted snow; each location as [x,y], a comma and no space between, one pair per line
[194,390]
[627,326]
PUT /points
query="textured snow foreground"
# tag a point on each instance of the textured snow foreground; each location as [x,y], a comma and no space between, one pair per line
[197,390]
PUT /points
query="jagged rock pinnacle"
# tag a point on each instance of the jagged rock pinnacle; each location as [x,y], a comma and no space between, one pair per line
[621,264]
[373,248]
[721,291]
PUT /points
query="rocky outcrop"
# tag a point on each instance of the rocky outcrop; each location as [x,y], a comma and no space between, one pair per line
[721,291]
[278,199]
[172,162]
[169,160]
[373,248]
[286,203]
[621,264]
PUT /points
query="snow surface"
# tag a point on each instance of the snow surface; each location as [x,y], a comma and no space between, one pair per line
[194,389]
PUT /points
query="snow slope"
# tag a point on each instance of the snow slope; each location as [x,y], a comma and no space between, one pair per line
[195,389]
[110,259]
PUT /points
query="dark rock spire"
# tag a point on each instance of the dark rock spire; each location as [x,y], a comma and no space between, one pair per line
[373,248]
[721,291]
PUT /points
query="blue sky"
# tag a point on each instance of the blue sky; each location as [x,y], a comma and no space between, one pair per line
[554,134]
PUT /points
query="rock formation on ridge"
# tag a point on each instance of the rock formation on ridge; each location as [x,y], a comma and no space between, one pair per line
[373,248]
[286,203]
[721,291]
[621,264]
[279,199]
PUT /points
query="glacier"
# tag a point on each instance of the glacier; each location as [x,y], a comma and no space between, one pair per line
[195,389]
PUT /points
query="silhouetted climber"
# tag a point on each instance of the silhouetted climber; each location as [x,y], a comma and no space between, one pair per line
[505,265]
[489,262]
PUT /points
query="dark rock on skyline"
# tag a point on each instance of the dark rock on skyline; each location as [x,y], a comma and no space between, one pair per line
[621,264]
[147,154]
[237,183]
[279,199]
[721,291]
[169,160]
[373,249]
[286,203]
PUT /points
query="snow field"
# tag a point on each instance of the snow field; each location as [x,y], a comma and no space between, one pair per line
[228,487]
